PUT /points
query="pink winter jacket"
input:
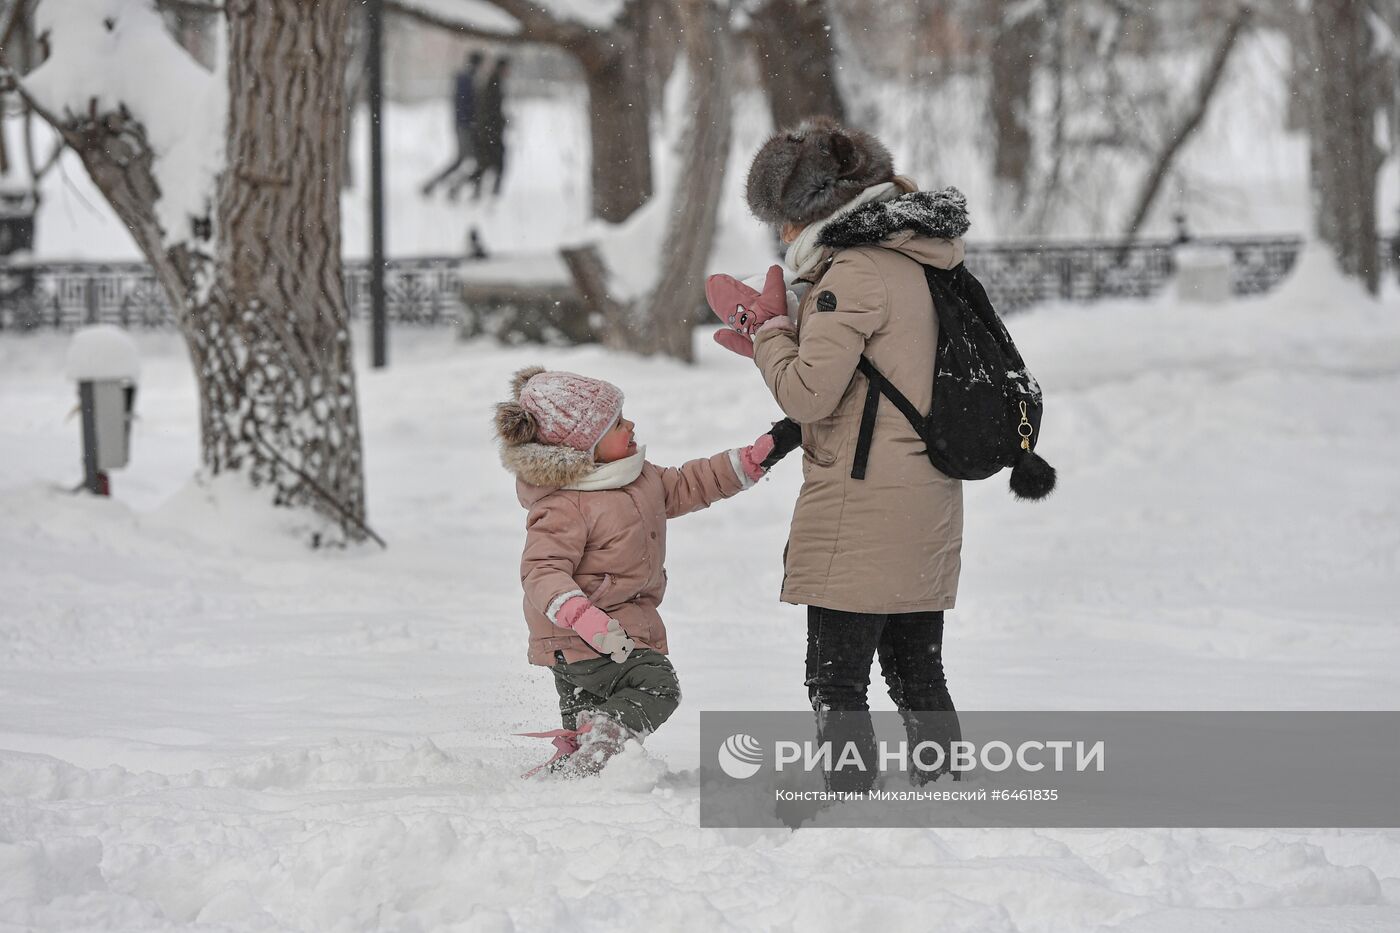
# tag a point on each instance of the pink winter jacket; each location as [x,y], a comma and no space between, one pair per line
[606,544]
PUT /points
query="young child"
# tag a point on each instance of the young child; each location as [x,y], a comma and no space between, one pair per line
[595,547]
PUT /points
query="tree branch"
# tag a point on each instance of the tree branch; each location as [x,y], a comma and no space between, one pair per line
[466,30]
[1205,90]
[537,24]
[12,19]
[191,6]
[9,81]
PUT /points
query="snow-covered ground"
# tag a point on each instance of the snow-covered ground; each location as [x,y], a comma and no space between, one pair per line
[206,725]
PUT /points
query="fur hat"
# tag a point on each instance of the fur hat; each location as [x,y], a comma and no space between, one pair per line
[805,174]
[559,409]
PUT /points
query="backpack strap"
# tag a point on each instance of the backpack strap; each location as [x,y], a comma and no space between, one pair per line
[867,418]
[879,385]
[941,282]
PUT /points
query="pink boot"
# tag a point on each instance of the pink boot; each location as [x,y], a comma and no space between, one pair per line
[565,741]
[605,738]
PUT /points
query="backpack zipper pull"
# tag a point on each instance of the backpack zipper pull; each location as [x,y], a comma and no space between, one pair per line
[1025,429]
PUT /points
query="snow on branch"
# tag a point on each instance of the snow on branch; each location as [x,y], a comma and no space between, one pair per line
[554,20]
[1384,42]
[116,56]
[475,19]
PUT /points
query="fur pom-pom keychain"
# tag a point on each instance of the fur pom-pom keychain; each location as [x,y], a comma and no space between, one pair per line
[1032,477]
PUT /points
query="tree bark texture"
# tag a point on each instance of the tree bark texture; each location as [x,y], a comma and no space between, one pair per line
[796,60]
[661,320]
[619,125]
[272,345]
[1345,159]
[264,316]
[667,308]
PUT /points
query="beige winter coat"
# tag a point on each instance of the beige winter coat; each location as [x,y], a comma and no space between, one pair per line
[892,542]
[606,544]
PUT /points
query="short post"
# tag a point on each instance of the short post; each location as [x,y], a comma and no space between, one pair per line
[1183,232]
[1203,273]
[1395,241]
[93,303]
[104,363]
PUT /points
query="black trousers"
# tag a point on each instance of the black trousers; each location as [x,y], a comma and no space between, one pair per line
[840,649]
[466,148]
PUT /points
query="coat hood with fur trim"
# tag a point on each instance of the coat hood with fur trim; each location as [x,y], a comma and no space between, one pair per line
[548,466]
[938,214]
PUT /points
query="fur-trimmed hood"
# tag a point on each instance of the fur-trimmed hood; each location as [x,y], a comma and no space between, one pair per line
[938,214]
[547,466]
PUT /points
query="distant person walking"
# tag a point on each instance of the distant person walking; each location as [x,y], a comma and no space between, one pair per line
[464,121]
[490,130]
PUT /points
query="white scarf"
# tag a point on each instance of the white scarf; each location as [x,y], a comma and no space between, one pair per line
[612,475]
[804,253]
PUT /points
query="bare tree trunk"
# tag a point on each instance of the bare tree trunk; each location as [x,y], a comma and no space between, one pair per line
[356,80]
[264,317]
[1050,188]
[619,129]
[796,60]
[1014,54]
[273,343]
[668,308]
[1178,136]
[660,321]
[659,34]
[1300,67]
[1345,158]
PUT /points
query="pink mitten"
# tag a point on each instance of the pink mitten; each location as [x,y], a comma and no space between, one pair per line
[752,457]
[742,308]
[735,341]
[596,627]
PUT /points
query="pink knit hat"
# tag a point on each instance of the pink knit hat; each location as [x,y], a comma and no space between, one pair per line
[569,409]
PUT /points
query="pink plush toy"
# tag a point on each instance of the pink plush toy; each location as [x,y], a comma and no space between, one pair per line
[744,310]
[596,627]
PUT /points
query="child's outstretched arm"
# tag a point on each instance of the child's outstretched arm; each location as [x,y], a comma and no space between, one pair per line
[699,483]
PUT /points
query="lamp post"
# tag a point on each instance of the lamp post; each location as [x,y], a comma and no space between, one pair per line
[380,352]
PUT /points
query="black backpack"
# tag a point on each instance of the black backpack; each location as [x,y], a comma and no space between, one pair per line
[986,404]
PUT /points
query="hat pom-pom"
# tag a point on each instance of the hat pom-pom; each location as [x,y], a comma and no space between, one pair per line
[1032,477]
[517,382]
[514,424]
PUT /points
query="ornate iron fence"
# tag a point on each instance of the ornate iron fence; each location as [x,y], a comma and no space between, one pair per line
[432,290]
[64,295]
[1018,275]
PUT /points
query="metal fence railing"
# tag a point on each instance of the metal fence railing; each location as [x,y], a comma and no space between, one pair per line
[1018,275]
[433,290]
[64,295]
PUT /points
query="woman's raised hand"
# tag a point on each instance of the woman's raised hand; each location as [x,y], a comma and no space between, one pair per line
[743,310]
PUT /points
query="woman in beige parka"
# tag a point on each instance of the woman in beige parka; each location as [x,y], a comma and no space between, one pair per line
[875,559]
